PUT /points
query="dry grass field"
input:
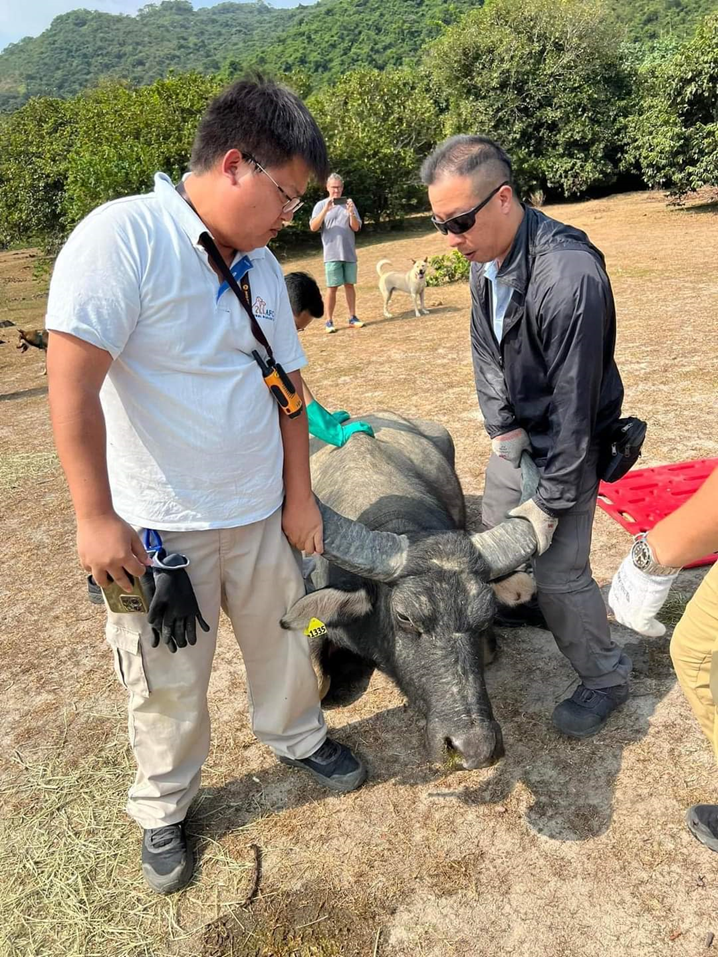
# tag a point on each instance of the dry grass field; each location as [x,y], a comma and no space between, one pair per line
[564,849]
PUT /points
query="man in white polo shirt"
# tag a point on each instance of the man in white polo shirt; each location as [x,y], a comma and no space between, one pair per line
[163,422]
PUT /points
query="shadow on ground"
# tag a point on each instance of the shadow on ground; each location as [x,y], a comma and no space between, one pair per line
[24,394]
[571,782]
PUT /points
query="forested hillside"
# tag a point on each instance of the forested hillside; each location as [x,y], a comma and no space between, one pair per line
[82,48]
[555,81]
[319,42]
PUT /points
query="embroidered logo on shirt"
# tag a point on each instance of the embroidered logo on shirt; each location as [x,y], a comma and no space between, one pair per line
[261,310]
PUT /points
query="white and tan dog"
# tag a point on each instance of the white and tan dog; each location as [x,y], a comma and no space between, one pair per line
[413,282]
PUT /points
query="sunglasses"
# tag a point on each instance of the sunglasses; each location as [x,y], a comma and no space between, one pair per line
[464,221]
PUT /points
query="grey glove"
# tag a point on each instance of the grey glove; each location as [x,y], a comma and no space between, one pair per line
[544,525]
[510,445]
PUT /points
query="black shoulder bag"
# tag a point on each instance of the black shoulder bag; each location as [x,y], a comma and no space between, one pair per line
[622,448]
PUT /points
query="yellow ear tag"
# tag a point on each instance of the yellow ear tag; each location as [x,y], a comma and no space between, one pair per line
[315,628]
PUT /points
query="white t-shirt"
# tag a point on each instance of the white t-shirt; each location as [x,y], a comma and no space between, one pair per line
[193,438]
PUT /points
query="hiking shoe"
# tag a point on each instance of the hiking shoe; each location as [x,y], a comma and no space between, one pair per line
[167,861]
[702,821]
[587,710]
[333,765]
[517,616]
[329,326]
[355,323]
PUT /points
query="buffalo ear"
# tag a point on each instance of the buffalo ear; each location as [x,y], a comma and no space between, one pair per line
[331,606]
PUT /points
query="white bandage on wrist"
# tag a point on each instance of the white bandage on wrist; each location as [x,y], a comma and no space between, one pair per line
[636,598]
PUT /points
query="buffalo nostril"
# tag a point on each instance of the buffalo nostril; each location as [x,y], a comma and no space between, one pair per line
[453,758]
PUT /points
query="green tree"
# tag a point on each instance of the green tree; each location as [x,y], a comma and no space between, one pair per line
[379,125]
[545,78]
[674,131]
[34,146]
[123,136]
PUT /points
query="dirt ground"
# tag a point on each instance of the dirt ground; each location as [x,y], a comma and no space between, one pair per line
[564,849]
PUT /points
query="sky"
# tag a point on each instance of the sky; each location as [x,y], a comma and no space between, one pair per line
[18,20]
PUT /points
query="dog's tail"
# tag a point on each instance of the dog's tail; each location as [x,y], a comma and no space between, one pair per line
[382,262]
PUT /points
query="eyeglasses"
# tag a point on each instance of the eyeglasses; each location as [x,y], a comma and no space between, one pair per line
[463,222]
[291,205]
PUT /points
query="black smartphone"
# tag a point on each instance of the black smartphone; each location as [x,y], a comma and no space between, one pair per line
[340,200]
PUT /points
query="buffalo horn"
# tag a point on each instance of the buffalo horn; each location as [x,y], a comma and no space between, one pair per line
[510,544]
[355,548]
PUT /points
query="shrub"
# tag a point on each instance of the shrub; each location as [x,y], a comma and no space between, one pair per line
[451,267]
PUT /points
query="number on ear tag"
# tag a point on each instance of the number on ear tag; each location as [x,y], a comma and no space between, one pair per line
[315,628]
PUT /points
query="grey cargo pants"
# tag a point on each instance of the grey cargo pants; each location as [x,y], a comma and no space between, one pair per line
[568,596]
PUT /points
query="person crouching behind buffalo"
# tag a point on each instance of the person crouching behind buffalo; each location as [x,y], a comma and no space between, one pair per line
[543,332]
[306,302]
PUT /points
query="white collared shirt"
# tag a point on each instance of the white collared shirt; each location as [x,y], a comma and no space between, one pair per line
[193,439]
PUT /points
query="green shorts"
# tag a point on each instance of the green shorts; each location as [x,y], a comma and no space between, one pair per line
[341,273]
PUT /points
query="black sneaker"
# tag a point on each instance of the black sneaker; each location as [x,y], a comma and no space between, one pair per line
[517,616]
[587,710]
[333,765]
[167,861]
[702,821]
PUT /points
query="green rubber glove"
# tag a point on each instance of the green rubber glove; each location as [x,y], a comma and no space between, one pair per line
[323,425]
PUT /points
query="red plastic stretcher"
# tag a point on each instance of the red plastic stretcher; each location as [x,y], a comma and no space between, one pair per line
[643,497]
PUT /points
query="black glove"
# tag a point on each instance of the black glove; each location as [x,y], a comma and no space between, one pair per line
[173,605]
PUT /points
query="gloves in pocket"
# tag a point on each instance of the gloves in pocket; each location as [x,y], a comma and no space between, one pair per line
[173,606]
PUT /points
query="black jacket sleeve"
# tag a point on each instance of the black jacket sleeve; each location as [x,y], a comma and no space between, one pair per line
[574,318]
[489,376]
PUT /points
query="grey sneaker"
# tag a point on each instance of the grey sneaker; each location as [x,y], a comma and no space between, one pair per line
[167,861]
[702,821]
[587,710]
[332,765]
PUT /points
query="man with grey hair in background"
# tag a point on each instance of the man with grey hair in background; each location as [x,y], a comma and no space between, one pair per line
[543,331]
[338,219]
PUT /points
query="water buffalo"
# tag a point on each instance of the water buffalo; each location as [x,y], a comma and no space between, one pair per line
[403,586]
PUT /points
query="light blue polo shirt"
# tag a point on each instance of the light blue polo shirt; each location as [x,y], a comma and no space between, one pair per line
[500,298]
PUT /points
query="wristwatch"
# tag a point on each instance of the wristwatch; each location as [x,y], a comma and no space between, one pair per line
[645,561]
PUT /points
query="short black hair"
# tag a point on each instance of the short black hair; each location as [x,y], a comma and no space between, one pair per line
[466,156]
[261,119]
[304,294]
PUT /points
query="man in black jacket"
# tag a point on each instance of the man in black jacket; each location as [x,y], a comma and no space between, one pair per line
[543,332]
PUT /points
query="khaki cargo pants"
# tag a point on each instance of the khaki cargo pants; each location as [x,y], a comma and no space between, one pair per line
[694,650]
[252,573]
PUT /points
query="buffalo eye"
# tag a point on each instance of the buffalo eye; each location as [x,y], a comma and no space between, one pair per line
[406,621]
